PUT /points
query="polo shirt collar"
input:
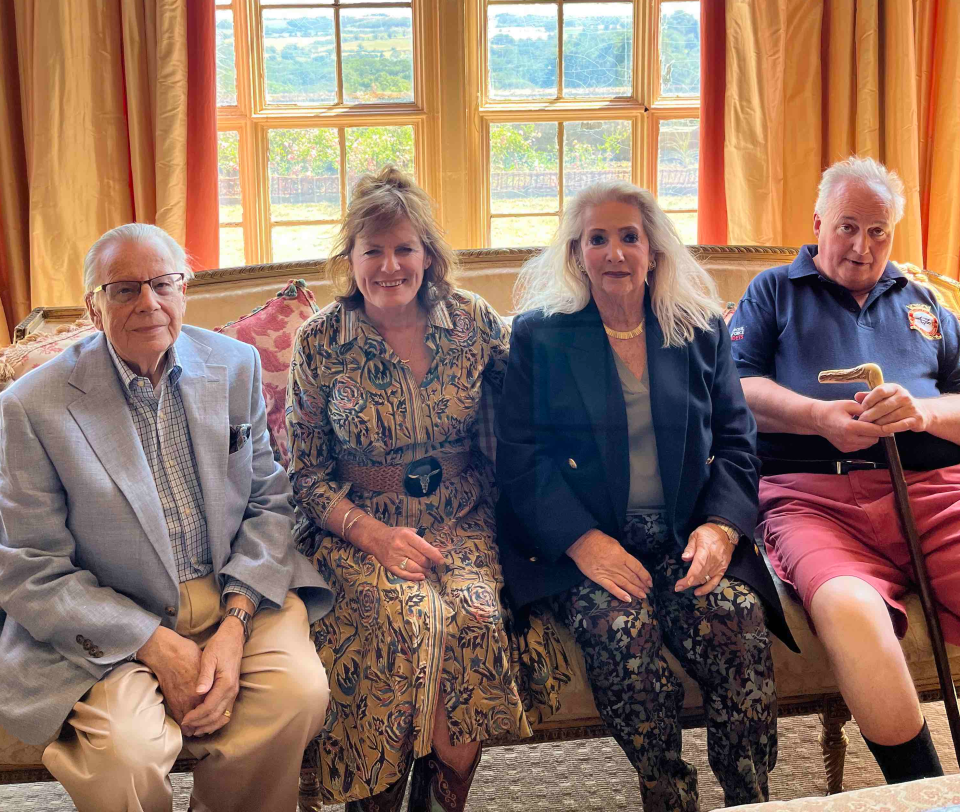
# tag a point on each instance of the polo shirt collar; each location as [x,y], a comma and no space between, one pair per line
[803,266]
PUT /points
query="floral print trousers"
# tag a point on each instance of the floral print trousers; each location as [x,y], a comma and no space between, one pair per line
[721,641]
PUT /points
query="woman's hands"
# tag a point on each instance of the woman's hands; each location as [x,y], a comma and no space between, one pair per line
[709,552]
[604,561]
[399,549]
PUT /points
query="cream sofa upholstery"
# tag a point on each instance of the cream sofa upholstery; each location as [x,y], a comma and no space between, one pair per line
[805,683]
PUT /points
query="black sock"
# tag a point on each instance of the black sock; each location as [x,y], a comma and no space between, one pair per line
[909,761]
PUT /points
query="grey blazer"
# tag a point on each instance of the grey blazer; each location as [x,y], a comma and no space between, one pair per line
[86,565]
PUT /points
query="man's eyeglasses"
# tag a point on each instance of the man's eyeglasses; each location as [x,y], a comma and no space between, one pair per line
[124,292]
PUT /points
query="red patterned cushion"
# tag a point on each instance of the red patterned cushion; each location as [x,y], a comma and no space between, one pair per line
[38,348]
[272,329]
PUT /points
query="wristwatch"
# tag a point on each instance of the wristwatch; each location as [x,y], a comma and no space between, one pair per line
[244,617]
[732,533]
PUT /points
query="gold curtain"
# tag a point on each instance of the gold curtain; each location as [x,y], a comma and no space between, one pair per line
[93,102]
[810,82]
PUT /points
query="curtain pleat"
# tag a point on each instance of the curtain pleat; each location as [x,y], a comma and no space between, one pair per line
[942,149]
[14,214]
[711,198]
[203,200]
[811,82]
[99,127]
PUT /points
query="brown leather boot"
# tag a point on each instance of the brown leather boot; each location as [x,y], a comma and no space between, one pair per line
[437,787]
[390,800]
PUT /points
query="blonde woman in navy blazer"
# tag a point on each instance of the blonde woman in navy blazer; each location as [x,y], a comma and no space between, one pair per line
[619,366]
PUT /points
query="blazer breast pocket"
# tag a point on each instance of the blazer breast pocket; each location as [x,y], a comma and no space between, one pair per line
[239,437]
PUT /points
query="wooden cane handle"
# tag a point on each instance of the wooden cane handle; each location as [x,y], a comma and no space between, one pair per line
[871,374]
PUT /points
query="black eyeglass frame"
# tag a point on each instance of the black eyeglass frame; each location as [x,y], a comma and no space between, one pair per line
[140,284]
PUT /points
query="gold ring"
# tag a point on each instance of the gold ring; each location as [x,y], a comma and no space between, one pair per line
[403,564]
[228,714]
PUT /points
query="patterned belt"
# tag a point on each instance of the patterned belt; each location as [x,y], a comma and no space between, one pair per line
[420,478]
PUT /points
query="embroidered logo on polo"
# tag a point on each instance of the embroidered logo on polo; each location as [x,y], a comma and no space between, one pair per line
[737,334]
[923,320]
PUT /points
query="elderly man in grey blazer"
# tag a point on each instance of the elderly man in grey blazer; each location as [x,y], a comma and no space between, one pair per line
[152,594]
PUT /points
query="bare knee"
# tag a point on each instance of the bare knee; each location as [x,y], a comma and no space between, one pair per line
[847,605]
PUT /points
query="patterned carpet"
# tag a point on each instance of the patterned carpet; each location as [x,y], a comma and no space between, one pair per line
[594,776]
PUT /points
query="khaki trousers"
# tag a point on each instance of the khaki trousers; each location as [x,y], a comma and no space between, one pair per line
[119,743]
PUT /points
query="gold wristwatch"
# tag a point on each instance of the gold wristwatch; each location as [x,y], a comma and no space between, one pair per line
[732,533]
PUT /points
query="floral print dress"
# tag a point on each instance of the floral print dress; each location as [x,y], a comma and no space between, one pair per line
[392,647]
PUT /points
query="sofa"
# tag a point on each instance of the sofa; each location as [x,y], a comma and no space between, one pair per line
[245,302]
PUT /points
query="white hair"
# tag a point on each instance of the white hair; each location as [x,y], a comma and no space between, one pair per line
[683,295]
[132,232]
[867,172]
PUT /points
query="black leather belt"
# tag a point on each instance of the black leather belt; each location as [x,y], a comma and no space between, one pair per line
[837,467]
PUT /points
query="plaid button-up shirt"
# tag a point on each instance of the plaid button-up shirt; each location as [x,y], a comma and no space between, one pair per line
[161,424]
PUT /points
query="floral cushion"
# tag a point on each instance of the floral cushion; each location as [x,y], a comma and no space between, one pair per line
[272,329]
[37,348]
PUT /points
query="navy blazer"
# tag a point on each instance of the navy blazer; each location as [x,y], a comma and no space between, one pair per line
[563,461]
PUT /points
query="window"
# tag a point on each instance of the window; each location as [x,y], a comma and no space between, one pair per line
[310,96]
[502,109]
[576,91]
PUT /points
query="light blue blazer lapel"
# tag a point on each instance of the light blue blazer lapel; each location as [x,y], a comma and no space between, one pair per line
[203,388]
[104,418]
[669,373]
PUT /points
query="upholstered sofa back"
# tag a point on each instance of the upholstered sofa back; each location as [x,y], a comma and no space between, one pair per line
[219,296]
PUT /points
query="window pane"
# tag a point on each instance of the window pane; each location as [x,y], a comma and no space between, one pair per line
[523,168]
[597,49]
[369,148]
[377,48]
[299,56]
[228,171]
[594,151]
[304,174]
[231,247]
[522,232]
[226,63]
[680,49]
[686,223]
[522,51]
[292,243]
[678,158]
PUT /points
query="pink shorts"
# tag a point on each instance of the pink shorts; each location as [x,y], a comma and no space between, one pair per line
[821,526]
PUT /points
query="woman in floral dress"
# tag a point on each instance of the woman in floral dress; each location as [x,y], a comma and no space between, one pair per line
[396,507]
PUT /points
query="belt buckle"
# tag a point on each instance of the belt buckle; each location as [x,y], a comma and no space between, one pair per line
[422,477]
[839,467]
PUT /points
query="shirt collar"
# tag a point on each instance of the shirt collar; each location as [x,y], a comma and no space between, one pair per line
[128,377]
[803,266]
[437,316]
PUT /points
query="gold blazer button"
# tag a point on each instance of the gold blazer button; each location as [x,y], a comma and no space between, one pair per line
[533,559]
[572,463]
[170,610]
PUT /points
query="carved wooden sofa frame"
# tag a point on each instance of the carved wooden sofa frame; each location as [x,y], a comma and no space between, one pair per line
[805,685]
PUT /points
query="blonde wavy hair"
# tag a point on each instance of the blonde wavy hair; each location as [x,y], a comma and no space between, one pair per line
[379,201]
[684,296]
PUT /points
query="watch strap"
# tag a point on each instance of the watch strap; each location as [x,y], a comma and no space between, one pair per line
[244,617]
[732,533]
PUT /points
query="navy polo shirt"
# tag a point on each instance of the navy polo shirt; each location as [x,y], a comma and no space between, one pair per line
[792,323]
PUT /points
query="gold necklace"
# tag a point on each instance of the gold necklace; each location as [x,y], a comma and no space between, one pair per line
[623,335]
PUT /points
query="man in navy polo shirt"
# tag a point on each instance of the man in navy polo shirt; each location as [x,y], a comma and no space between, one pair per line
[827,512]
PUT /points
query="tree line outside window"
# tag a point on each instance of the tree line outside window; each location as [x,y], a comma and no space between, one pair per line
[312,95]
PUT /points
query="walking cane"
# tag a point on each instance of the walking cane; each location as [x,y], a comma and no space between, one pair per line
[873,376]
